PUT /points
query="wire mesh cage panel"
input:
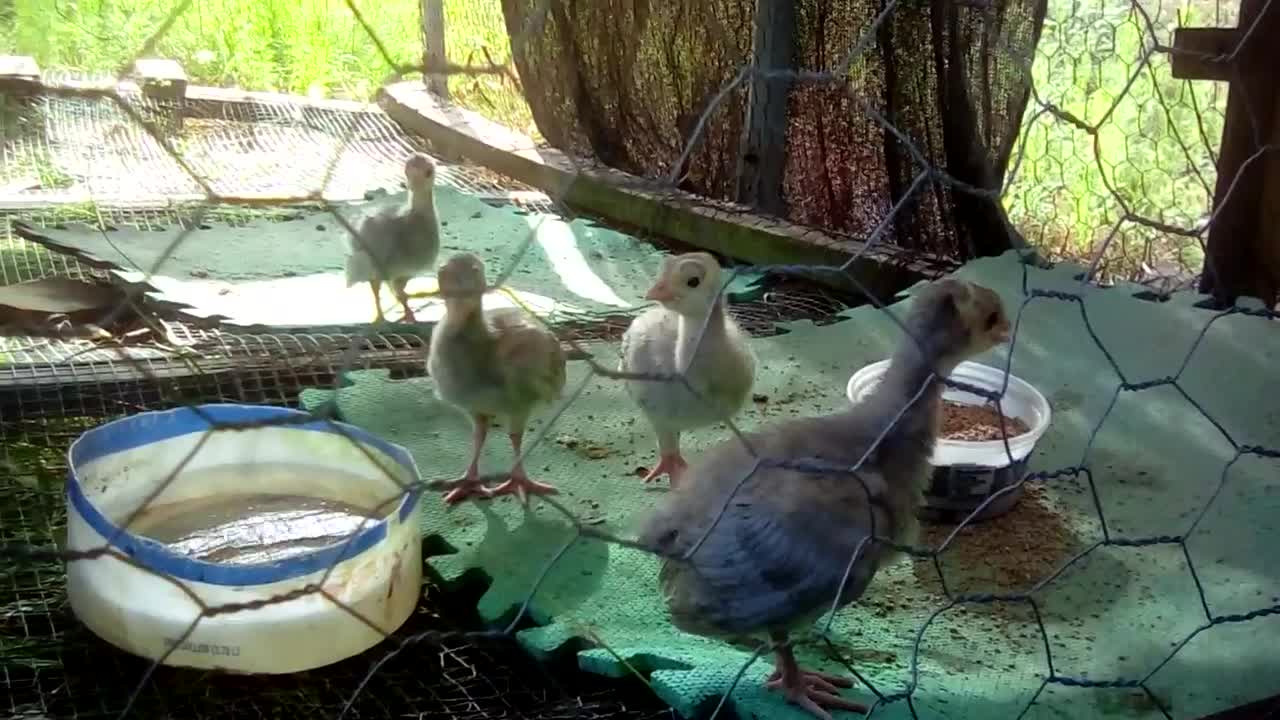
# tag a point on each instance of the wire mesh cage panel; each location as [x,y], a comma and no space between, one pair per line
[795,488]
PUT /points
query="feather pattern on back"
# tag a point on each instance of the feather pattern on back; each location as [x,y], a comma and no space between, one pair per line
[776,552]
[401,241]
[495,362]
[779,540]
[405,243]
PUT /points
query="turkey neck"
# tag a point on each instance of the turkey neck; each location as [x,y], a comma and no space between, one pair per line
[689,327]
[914,433]
[462,319]
[423,202]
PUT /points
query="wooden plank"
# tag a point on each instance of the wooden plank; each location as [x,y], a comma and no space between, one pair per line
[1268,223]
[762,155]
[1201,53]
[434,53]
[161,77]
[19,66]
[238,96]
[19,74]
[723,227]
[201,93]
[1242,256]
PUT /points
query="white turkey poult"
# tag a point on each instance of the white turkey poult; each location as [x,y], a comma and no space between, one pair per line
[398,243]
[691,332]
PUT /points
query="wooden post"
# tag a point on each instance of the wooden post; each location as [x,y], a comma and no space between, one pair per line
[161,77]
[433,47]
[1243,247]
[763,152]
[165,80]
[19,75]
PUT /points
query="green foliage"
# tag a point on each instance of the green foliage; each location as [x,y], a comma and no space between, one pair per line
[1152,154]
[301,46]
[1153,151]
[477,35]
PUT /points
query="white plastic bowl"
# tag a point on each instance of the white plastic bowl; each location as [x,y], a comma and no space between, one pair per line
[1020,400]
[141,607]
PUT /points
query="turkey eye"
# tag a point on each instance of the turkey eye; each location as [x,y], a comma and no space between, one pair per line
[694,282]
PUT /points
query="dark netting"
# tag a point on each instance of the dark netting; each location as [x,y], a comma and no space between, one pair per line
[625,81]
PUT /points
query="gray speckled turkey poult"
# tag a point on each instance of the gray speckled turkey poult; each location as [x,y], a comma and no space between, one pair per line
[398,243]
[776,555]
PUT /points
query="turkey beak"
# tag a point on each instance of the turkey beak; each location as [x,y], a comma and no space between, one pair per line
[660,292]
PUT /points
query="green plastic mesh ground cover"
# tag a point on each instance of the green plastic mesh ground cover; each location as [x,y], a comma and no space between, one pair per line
[240,271]
[1115,613]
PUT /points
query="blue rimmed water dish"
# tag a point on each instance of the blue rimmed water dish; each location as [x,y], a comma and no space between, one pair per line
[967,472]
[144,594]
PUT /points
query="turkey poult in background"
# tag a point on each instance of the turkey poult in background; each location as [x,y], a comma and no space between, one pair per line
[776,557]
[688,331]
[491,363]
[398,243]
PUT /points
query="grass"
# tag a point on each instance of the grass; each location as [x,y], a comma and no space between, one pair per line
[1153,153]
[313,47]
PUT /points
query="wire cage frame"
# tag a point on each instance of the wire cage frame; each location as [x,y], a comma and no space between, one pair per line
[43,387]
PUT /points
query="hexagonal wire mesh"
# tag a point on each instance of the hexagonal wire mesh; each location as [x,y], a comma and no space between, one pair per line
[314,359]
[1112,133]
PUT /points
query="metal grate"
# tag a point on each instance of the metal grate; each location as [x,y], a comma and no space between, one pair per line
[62,148]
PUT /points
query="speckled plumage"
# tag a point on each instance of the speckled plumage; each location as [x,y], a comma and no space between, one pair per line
[405,239]
[491,364]
[777,556]
[498,362]
[398,243]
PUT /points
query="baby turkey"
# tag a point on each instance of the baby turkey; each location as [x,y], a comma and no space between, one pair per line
[665,340]
[398,243]
[774,560]
[491,363]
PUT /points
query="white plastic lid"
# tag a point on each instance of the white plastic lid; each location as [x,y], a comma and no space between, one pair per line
[1020,400]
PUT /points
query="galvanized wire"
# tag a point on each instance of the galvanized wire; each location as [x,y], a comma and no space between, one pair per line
[190,173]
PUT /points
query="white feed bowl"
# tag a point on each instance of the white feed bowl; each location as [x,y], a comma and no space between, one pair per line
[141,607]
[1020,400]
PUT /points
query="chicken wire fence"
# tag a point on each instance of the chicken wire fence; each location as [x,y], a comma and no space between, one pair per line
[1033,80]
[55,387]
[75,156]
[376,693]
